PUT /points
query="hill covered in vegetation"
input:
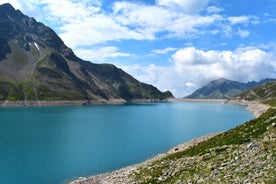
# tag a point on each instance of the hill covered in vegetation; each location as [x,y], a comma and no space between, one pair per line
[265,93]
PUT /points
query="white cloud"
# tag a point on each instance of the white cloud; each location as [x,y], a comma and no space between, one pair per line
[188,6]
[82,23]
[243,33]
[101,54]
[151,20]
[164,51]
[213,9]
[86,23]
[238,20]
[95,30]
[243,20]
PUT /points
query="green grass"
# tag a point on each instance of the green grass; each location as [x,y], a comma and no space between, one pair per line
[18,55]
[271,102]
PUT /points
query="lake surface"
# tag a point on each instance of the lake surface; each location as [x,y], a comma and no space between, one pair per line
[52,145]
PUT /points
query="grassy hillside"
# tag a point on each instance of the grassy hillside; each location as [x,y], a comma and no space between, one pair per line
[266,93]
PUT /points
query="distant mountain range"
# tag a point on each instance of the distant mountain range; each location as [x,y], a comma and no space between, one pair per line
[224,89]
[35,65]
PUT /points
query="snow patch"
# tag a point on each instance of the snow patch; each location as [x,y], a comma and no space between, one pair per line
[36,45]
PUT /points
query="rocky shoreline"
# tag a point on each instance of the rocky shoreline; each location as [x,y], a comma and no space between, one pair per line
[124,175]
[256,107]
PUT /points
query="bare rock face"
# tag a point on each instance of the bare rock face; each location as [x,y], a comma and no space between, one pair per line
[36,65]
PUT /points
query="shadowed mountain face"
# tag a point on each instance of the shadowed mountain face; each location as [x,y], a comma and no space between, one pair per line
[35,64]
[223,88]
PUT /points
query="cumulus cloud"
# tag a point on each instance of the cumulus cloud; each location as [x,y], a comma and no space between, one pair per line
[243,64]
[192,68]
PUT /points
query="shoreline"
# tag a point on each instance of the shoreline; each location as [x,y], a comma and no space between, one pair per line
[43,103]
[198,100]
[256,107]
[121,175]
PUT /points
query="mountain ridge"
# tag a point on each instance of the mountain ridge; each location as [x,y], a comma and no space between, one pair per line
[265,93]
[224,89]
[36,65]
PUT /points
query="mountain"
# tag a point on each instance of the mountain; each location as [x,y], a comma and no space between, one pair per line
[266,93]
[223,88]
[35,65]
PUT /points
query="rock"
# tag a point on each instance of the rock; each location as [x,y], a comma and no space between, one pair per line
[266,139]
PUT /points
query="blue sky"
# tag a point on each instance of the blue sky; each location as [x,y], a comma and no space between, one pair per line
[176,45]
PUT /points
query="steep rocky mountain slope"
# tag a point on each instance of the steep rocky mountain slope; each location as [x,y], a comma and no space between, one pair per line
[36,65]
[223,88]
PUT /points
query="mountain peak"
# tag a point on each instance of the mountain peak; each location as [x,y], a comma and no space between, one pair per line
[219,81]
[15,26]
[7,7]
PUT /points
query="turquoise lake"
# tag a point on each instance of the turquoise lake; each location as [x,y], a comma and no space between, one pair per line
[52,145]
